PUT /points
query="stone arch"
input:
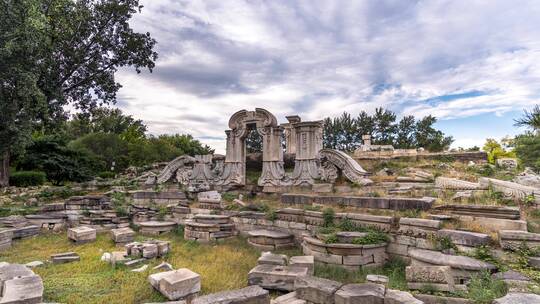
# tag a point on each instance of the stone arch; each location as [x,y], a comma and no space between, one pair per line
[266,125]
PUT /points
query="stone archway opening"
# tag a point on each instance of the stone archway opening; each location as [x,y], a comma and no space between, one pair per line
[254,151]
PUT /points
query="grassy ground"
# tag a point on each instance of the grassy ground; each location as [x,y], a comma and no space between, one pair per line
[222,267]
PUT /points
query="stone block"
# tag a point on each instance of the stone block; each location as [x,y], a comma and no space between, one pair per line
[248,295]
[367,293]
[269,258]
[400,297]
[177,284]
[82,234]
[322,188]
[465,238]
[307,261]
[377,279]
[122,235]
[66,257]
[316,290]
[276,277]
[518,298]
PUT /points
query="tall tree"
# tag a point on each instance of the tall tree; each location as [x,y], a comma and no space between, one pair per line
[106,120]
[530,119]
[21,39]
[430,138]
[365,124]
[81,45]
[405,133]
[385,126]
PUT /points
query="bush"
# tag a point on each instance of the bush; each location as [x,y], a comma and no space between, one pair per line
[328,217]
[27,178]
[106,174]
[528,150]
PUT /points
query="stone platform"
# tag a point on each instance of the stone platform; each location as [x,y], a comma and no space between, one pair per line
[348,256]
[19,284]
[209,227]
[270,240]
[156,227]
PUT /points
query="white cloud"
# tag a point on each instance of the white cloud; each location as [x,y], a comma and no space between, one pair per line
[321,58]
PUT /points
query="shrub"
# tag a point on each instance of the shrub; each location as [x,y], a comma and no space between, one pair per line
[328,217]
[372,237]
[27,178]
[483,289]
[331,238]
[106,174]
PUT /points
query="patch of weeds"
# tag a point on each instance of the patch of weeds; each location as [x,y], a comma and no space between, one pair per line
[162,212]
[121,211]
[228,196]
[414,213]
[428,289]
[271,215]
[442,242]
[372,237]
[328,217]
[180,231]
[312,207]
[331,238]
[326,230]
[483,289]
[483,253]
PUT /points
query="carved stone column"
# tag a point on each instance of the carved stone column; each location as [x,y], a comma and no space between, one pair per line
[273,171]
[290,134]
[234,165]
[308,145]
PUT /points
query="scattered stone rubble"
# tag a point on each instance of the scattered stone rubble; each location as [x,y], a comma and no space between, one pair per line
[66,257]
[177,284]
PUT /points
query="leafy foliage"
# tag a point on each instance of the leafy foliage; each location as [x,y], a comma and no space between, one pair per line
[527,149]
[60,162]
[530,119]
[495,150]
[27,178]
[345,132]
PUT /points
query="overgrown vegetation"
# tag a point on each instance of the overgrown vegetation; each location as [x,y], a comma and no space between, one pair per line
[28,178]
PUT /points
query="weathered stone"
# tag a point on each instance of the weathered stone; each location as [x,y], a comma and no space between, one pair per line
[507,163]
[316,290]
[122,235]
[157,228]
[528,178]
[247,295]
[454,261]
[176,284]
[270,240]
[307,261]
[276,277]
[20,285]
[164,266]
[322,188]
[66,257]
[272,259]
[367,293]
[377,279]
[34,264]
[482,211]
[465,238]
[149,250]
[518,298]
[513,239]
[431,299]
[82,234]
[429,274]
[140,269]
[455,184]
[289,298]
[400,297]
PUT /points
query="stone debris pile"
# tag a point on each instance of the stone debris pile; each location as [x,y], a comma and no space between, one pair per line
[82,234]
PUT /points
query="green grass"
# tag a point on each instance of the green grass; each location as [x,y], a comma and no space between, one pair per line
[222,266]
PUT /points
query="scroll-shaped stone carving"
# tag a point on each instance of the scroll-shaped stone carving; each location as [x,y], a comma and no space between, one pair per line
[171,169]
[348,166]
[456,184]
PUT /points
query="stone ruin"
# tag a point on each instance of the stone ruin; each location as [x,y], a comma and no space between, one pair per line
[304,139]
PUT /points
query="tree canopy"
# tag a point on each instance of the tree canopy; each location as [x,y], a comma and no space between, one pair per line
[59,52]
[345,132]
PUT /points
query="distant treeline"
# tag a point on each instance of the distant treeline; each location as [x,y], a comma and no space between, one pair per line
[345,132]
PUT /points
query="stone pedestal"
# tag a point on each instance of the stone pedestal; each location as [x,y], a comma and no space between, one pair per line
[123,235]
[81,234]
[177,284]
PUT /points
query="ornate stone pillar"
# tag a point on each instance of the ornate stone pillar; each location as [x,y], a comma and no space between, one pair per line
[290,134]
[273,171]
[234,165]
[308,145]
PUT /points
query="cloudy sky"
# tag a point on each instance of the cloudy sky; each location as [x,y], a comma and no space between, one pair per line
[473,64]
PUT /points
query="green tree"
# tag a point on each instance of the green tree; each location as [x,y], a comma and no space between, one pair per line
[527,149]
[108,148]
[530,119]
[365,124]
[385,127]
[106,120]
[405,133]
[21,40]
[79,45]
[59,162]
[430,138]
[495,150]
